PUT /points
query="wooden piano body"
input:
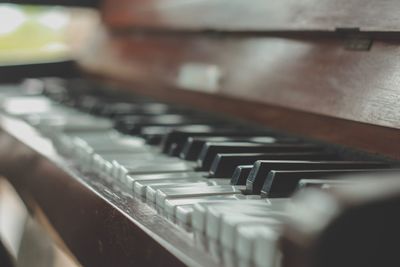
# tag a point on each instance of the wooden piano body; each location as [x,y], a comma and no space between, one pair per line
[326,70]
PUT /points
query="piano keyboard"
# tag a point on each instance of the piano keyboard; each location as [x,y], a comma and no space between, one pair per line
[227,183]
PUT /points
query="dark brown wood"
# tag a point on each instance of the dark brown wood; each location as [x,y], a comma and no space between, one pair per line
[309,86]
[99,224]
[254,15]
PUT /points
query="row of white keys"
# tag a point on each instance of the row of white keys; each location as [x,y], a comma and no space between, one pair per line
[228,235]
[180,210]
[89,153]
[25,106]
[216,226]
[110,140]
[50,117]
[200,214]
[103,163]
[73,122]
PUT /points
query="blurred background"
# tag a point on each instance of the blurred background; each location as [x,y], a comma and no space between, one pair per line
[41,33]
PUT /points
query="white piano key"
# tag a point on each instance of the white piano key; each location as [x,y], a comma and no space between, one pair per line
[154,166]
[132,179]
[180,210]
[102,162]
[172,193]
[63,144]
[183,217]
[26,105]
[233,215]
[229,224]
[200,212]
[141,188]
[103,138]
[199,225]
[257,246]
[69,122]
[151,191]
[267,249]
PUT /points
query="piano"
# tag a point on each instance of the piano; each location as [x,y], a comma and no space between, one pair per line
[213,133]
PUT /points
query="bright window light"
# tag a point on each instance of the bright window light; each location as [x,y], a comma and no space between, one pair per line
[54,19]
[10,19]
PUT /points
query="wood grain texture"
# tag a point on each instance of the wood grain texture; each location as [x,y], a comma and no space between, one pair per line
[316,75]
[255,15]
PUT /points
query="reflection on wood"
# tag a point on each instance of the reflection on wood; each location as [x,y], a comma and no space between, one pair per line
[253,15]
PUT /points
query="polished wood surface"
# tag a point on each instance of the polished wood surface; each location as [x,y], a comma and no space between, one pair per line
[253,15]
[268,80]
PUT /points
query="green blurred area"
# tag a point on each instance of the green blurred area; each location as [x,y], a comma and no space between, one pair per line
[32,33]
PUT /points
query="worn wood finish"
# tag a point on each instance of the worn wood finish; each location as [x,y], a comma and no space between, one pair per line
[99,224]
[254,15]
[314,75]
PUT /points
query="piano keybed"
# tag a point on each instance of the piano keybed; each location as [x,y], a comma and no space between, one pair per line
[227,183]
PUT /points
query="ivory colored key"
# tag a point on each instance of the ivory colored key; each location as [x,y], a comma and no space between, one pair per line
[257,245]
[151,190]
[229,232]
[173,193]
[132,179]
[101,161]
[154,166]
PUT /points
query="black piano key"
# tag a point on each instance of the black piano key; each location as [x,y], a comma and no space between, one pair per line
[165,129]
[180,136]
[155,135]
[88,103]
[153,139]
[323,183]
[161,131]
[261,169]
[192,147]
[224,164]
[240,174]
[134,124]
[282,183]
[123,109]
[173,150]
[210,150]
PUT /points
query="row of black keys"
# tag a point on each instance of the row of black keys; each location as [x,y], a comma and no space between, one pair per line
[267,163]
